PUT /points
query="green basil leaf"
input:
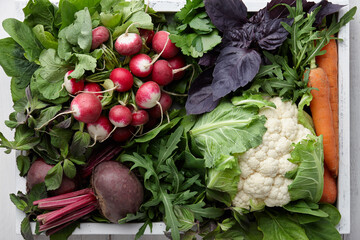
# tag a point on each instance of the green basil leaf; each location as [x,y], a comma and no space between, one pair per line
[23,164]
[69,169]
[54,177]
[46,115]
[18,202]
[36,193]
[80,143]
[26,229]
[66,232]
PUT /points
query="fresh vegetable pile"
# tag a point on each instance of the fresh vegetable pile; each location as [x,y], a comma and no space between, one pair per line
[219,122]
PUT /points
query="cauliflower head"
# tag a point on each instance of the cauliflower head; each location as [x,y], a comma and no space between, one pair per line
[263,169]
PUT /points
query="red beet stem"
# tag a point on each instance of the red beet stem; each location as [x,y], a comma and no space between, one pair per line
[56,204]
[69,218]
[64,196]
[106,154]
[57,214]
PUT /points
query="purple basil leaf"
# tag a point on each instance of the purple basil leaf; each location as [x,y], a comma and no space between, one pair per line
[235,67]
[271,34]
[326,9]
[240,37]
[226,14]
[208,59]
[200,99]
[261,16]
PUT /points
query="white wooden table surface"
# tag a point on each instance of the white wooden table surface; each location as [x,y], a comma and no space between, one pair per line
[8,166]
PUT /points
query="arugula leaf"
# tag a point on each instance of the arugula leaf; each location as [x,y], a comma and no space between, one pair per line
[24,36]
[237,128]
[167,149]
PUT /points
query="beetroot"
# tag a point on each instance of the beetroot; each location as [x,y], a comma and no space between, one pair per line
[115,191]
[37,173]
[118,190]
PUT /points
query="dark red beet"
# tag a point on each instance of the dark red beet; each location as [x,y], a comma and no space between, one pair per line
[118,190]
[37,173]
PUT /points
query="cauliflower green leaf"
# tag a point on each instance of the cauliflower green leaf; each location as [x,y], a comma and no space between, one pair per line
[308,180]
[226,130]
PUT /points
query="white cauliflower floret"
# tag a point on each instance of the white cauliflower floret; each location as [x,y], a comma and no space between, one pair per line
[258,185]
[263,168]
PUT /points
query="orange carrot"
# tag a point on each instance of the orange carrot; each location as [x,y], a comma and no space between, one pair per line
[329,62]
[330,190]
[322,116]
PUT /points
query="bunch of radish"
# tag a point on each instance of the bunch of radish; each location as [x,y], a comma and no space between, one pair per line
[124,119]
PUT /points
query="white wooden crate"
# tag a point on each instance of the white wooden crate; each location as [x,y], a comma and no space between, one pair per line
[343,202]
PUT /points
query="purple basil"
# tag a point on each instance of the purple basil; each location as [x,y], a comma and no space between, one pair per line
[271,34]
[226,14]
[326,9]
[235,67]
[200,99]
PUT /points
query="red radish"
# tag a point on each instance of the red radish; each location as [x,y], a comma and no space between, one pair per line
[158,42]
[73,86]
[37,172]
[177,62]
[128,44]
[148,95]
[122,78]
[165,102]
[120,116]
[86,107]
[162,73]
[116,192]
[99,36]
[147,35]
[94,88]
[140,65]
[123,134]
[100,129]
[139,118]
